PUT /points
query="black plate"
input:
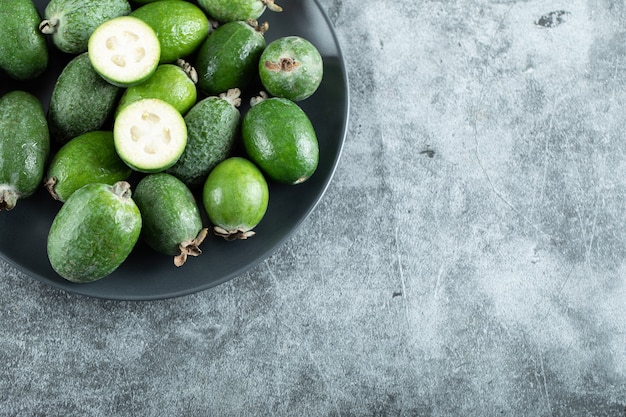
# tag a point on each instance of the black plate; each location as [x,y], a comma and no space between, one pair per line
[147,275]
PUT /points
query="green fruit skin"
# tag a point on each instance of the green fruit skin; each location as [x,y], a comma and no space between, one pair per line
[212,128]
[279,137]
[149,1]
[229,58]
[88,158]
[169,212]
[23,49]
[24,145]
[233,10]
[302,75]
[169,83]
[81,100]
[180,26]
[77,19]
[93,232]
[235,195]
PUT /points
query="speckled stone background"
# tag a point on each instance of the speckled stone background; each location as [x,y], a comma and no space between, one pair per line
[468,258]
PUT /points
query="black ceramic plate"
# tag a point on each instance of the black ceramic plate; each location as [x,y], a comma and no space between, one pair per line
[147,275]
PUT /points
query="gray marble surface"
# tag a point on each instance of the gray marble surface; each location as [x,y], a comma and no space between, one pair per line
[467,259]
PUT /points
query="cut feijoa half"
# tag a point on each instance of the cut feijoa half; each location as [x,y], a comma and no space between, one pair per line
[125,51]
[150,135]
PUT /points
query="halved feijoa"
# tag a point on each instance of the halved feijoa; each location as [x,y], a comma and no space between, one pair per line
[172,223]
[94,232]
[291,67]
[235,197]
[279,137]
[150,135]
[88,158]
[125,51]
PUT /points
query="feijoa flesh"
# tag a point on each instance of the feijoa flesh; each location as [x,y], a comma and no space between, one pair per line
[88,158]
[94,232]
[125,51]
[150,135]
[237,10]
[70,23]
[24,146]
[172,223]
[291,67]
[81,101]
[235,197]
[212,128]
[229,57]
[279,137]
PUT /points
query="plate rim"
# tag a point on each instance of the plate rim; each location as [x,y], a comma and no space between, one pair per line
[81,290]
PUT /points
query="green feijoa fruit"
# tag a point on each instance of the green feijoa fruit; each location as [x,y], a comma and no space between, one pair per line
[229,57]
[24,146]
[235,197]
[172,223]
[212,128]
[81,100]
[180,26]
[279,137]
[150,135]
[148,1]
[23,49]
[88,158]
[236,10]
[70,23]
[94,232]
[125,51]
[291,67]
[172,83]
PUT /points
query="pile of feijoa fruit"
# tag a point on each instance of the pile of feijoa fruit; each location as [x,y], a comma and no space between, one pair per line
[138,140]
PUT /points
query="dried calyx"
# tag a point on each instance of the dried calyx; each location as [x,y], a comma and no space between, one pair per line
[49,26]
[233,234]
[233,96]
[272,6]
[190,248]
[49,184]
[188,69]
[8,197]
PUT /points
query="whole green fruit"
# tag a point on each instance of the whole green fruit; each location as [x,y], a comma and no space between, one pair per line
[94,232]
[235,197]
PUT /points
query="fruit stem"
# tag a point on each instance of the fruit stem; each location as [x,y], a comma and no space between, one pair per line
[49,26]
[8,197]
[256,100]
[272,6]
[190,248]
[233,96]
[262,28]
[121,189]
[231,235]
[49,184]
[188,69]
